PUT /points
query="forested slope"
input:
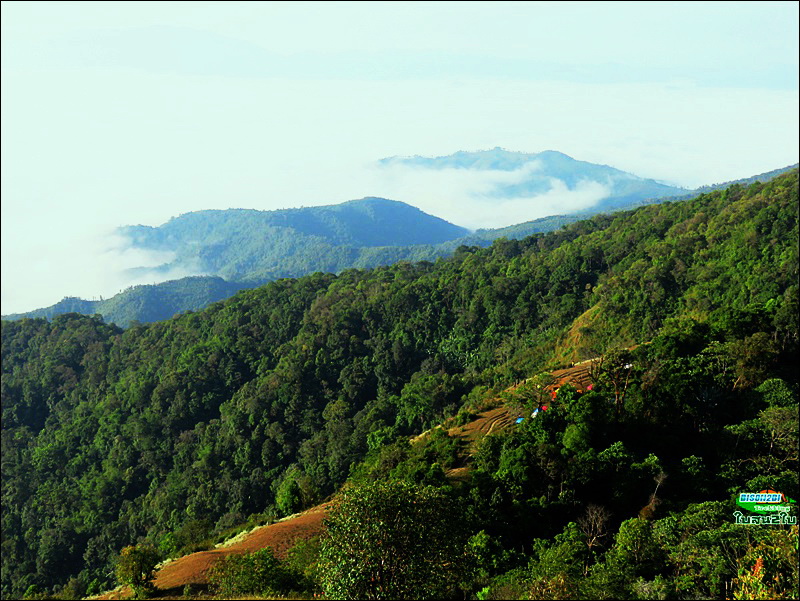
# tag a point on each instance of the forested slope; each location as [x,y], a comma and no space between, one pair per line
[146,302]
[241,244]
[285,253]
[240,248]
[264,402]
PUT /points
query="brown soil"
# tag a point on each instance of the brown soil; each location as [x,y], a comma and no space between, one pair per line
[282,536]
[484,424]
[579,375]
[193,569]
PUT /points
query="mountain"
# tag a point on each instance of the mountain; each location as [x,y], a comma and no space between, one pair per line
[761,177]
[240,248]
[241,244]
[540,172]
[147,302]
[250,245]
[368,221]
[243,248]
[171,433]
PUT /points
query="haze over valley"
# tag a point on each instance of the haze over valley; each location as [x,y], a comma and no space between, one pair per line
[117,116]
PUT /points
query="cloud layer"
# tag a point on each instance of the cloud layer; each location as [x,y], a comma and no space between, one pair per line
[114,115]
[472,198]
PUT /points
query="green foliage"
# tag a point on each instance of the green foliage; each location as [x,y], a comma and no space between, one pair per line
[192,536]
[136,567]
[171,432]
[776,393]
[33,592]
[392,540]
[635,546]
[256,573]
[147,302]
[558,566]
[287,498]
[423,462]
[303,560]
[769,569]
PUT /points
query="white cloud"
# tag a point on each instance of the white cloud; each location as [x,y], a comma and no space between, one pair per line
[88,148]
[470,198]
[90,263]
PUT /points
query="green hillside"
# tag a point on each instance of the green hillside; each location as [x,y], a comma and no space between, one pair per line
[147,302]
[247,253]
[172,432]
[240,244]
[247,248]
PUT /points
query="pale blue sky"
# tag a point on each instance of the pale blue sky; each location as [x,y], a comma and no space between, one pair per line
[133,112]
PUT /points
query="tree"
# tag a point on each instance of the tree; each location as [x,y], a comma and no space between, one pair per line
[533,392]
[636,546]
[257,573]
[594,524]
[615,367]
[392,540]
[136,567]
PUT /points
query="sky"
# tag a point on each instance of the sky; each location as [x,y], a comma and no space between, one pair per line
[118,113]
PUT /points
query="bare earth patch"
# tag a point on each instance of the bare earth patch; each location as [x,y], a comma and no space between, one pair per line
[192,569]
[282,536]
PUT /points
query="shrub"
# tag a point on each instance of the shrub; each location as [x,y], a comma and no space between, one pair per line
[392,541]
[136,567]
[259,573]
[303,559]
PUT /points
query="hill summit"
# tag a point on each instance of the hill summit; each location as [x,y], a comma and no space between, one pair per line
[543,172]
[247,244]
[368,221]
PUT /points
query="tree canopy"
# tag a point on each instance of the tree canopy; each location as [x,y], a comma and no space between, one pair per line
[170,433]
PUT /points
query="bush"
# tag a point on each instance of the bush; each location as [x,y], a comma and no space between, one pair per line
[258,573]
[464,416]
[136,567]
[393,540]
[303,560]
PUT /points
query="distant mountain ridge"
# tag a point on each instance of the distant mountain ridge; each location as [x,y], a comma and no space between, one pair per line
[147,302]
[369,221]
[246,244]
[245,248]
[539,171]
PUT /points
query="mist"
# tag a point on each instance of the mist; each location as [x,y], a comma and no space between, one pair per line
[113,115]
[93,263]
[473,198]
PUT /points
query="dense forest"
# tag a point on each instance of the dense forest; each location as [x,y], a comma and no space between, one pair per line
[245,249]
[238,249]
[173,432]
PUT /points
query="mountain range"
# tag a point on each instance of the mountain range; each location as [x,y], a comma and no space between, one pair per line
[171,437]
[235,249]
[535,174]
